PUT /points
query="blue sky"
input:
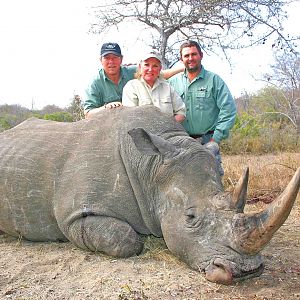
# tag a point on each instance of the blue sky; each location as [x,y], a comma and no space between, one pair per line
[46,54]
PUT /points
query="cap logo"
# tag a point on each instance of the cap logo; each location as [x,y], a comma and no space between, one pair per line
[110,46]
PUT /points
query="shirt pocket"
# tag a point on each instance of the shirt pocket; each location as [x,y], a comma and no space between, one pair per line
[145,101]
[203,98]
[166,105]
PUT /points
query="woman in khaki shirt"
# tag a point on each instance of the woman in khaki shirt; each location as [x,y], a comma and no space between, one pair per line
[150,88]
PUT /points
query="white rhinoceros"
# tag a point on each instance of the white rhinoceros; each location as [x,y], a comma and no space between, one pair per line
[101,183]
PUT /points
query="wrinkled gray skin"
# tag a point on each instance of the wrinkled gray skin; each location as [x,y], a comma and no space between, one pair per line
[101,183]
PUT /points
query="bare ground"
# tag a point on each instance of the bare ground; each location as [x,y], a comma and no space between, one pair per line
[61,271]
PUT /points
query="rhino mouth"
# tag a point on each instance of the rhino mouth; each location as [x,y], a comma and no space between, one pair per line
[222,273]
[243,275]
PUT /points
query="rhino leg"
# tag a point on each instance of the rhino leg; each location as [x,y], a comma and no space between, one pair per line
[105,234]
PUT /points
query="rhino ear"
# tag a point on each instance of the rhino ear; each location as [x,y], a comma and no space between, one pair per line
[152,144]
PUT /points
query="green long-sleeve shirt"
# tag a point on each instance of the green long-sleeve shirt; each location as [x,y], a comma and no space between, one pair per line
[209,104]
[102,90]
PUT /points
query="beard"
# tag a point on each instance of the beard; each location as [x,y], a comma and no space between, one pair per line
[193,69]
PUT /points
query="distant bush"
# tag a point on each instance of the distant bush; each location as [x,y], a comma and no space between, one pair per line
[4,124]
[258,135]
[7,121]
[59,117]
[247,125]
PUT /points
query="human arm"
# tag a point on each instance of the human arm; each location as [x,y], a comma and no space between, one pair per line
[89,114]
[179,108]
[168,73]
[94,111]
[227,111]
[93,98]
[100,95]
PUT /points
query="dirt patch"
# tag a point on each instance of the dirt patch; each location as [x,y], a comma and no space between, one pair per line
[61,271]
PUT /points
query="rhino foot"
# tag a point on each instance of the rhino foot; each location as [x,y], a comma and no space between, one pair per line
[105,234]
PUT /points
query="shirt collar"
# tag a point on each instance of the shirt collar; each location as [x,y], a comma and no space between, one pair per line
[200,75]
[156,83]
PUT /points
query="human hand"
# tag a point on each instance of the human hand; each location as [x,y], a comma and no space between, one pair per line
[113,104]
[213,147]
[179,118]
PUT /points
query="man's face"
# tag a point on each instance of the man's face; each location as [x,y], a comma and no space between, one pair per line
[111,64]
[191,59]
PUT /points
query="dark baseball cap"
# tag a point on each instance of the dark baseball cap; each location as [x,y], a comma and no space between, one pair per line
[110,48]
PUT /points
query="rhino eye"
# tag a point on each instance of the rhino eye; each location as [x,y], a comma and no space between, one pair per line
[190,216]
[193,220]
[190,219]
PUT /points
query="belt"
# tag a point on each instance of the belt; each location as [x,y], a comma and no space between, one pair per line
[196,136]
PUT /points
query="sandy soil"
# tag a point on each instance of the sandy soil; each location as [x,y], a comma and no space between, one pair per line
[61,271]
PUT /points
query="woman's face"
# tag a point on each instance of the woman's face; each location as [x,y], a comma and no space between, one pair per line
[150,69]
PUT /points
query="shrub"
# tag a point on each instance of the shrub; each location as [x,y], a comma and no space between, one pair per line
[59,117]
[7,121]
[260,135]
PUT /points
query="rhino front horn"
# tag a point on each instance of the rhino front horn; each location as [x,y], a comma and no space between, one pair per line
[252,233]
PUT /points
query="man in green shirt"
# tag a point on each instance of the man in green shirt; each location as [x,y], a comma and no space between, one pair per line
[105,90]
[210,107]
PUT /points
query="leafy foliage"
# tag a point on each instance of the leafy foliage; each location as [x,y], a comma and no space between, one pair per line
[12,115]
[259,136]
[5,122]
[59,117]
[246,125]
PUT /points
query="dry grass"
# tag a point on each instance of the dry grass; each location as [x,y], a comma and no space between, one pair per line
[269,174]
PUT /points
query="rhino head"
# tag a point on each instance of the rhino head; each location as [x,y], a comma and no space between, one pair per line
[201,223]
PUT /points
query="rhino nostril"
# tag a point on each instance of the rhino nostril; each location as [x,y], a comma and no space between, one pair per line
[218,273]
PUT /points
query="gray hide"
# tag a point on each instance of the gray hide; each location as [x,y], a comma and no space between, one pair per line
[101,183]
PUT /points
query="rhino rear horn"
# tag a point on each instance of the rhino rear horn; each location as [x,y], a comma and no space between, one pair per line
[239,194]
[257,230]
[152,144]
